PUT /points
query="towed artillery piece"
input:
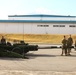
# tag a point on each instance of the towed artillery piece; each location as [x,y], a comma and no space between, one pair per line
[22,48]
[19,48]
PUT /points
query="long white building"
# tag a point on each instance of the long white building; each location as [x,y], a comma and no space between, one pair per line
[38,24]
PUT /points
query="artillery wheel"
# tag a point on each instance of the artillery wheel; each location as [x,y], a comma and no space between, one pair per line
[17,50]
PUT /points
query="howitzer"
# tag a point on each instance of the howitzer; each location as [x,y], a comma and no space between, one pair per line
[19,48]
[23,48]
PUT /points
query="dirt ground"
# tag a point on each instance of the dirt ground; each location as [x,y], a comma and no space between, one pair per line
[41,62]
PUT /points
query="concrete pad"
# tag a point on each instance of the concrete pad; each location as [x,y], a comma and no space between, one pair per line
[41,62]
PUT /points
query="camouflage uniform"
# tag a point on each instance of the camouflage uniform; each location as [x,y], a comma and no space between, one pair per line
[69,44]
[64,46]
[75,44]
[3,40]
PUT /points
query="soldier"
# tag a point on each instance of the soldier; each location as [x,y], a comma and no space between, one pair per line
[3,40]
[75,45]
[69,44]
[64,46]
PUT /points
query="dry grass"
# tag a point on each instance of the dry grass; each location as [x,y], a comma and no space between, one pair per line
[36,38]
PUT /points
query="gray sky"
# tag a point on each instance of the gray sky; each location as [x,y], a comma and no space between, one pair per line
[24,7]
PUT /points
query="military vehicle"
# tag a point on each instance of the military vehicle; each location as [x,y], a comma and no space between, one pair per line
[21,48]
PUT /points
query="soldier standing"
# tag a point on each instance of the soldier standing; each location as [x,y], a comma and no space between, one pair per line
[64,46]
[3,40]
[69,44]
[75,45]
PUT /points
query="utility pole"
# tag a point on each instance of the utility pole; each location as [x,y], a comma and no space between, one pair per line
[23,31]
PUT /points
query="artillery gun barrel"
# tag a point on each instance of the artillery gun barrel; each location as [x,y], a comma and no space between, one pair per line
[52,47]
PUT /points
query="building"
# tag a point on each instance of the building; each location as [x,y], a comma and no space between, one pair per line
[38,24]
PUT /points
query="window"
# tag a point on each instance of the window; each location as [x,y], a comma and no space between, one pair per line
[58,25]
[62,25]
[55,25]
[72,25]
[42,25]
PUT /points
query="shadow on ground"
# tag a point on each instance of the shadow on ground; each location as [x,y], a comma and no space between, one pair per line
[31,55]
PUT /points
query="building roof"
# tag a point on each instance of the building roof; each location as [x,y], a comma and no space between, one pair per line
[41,15]
[36,21]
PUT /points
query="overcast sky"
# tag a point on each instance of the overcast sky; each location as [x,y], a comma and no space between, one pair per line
[24,7]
